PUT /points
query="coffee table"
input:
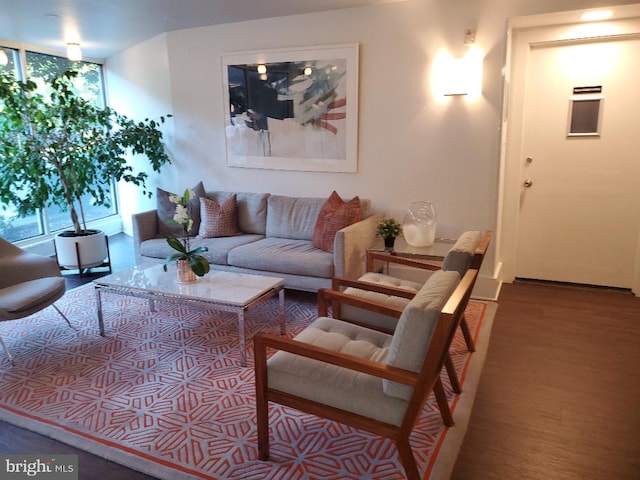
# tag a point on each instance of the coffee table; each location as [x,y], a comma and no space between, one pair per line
[226,291]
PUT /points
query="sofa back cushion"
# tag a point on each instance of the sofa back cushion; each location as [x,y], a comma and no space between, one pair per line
[166,209]
[292,217]
[252,209]
[415,328]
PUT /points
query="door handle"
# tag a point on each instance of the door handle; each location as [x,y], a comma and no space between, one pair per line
[528,182]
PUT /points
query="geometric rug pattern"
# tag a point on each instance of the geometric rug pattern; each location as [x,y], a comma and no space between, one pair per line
[163,393]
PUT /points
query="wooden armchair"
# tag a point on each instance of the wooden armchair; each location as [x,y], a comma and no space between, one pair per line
[467,253]
[362,377]
[386,295]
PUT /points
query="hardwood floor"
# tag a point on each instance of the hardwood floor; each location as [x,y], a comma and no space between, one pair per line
[558,397]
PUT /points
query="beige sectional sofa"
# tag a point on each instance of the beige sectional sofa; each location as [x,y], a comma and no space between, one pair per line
[276,240]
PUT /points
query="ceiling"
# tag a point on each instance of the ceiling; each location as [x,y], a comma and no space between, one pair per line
[105,27]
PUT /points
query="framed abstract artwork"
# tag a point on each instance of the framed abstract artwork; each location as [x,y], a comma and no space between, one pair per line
[292,108]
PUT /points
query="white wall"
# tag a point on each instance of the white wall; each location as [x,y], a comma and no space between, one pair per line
[138,82]
[412,146]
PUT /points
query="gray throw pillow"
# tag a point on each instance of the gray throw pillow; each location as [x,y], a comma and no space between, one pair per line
[166,210]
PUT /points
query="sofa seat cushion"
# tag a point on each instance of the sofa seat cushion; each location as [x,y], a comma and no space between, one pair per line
[282,255]
[217,254]
[337,386]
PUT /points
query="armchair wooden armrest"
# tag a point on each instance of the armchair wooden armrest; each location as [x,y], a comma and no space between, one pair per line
[262,341]
[387,257]
[481,250]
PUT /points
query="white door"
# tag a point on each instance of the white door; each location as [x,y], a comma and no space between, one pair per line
[580,195]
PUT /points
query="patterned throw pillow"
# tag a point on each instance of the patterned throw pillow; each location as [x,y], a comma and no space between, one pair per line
[166,210]
[335,215]
[219,220]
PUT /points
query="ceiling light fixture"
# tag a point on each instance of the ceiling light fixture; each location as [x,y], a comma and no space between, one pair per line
[73,52]
[596,15]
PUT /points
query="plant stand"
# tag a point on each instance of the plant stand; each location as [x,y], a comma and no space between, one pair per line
[82,271]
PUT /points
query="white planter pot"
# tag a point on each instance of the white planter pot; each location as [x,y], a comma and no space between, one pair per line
[91,248]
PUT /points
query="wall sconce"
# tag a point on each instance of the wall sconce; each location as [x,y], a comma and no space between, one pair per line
[458,76]
[73,52]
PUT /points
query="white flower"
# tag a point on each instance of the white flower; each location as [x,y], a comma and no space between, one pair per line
[182,215]
[173,198]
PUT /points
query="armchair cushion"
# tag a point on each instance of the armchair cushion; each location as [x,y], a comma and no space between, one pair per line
[337,386]
[375,319]
[28,297]
[460,255]
[388,280]
[416,326]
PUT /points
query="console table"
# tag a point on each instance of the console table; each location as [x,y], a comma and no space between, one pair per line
[405,254]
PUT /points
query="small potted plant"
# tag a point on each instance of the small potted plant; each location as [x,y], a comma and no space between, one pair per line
[388,229]
[189,262]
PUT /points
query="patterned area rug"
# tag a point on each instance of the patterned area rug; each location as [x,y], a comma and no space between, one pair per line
[163,393]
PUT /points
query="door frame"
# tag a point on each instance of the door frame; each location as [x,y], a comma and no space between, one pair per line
[561,28]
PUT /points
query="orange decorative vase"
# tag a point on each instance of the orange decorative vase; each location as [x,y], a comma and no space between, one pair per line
[185,274]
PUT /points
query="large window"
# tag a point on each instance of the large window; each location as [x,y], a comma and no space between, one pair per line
[41,68]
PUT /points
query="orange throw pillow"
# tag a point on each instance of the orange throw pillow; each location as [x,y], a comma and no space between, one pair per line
[335,214]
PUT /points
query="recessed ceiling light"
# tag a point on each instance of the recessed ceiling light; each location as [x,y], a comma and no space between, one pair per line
[73,52]
[596,15]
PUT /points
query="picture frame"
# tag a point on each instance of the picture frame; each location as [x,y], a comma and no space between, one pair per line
[585,116]
[292,108]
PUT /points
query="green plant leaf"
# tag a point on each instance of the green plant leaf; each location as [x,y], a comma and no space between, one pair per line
[199,265]
[173,257]
[177,245]
[58,147]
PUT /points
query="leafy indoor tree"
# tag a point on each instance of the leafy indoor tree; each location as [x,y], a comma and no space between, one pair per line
[56,147]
